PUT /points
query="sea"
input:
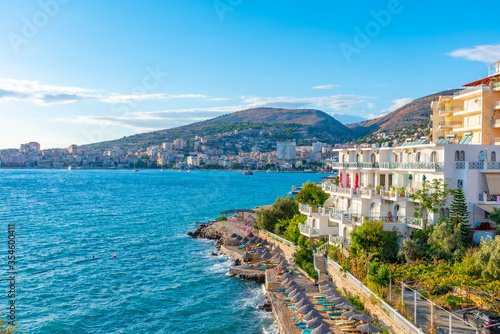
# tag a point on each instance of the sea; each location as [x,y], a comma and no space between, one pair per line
[107,251]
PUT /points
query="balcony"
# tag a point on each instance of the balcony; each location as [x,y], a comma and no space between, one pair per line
[497,141]
[309,231]
[307,209]
[446,111]
[485,198]
[495,123]
[470,91]
[496,86]
[449,124]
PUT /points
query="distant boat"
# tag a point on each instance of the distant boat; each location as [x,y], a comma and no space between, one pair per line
[69,167]
[189,171]
[135,170]
[247,172]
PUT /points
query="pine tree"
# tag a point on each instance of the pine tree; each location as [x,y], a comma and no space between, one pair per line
[459,215]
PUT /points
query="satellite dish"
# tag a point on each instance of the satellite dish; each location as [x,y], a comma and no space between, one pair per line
[482,156]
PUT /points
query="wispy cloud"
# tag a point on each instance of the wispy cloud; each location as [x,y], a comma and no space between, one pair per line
[220,99]
[483,53]
[12,89]
[398,103]
[334,102]
[326,87]
[121,98]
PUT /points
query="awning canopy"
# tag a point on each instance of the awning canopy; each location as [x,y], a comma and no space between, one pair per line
[488,207]
[493,180]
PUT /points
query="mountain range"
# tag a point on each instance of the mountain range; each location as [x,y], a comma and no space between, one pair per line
[275,124]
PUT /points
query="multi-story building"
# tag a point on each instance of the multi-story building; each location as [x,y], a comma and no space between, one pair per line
[31,147]
[286,150]
[471,115]
[377,182]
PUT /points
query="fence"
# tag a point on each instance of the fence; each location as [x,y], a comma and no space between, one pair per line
[388,309]
[280,239]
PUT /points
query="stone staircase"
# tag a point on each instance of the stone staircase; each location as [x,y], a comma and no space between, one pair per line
[321,265]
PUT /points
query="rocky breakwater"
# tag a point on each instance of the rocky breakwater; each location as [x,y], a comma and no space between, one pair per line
[207,231]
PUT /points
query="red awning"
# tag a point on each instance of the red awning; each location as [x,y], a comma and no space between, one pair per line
[484,81]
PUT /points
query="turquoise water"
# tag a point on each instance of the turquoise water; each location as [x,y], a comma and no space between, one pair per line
[161,281]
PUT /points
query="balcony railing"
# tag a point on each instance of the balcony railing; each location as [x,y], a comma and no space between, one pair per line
[391,165]
[450,123]
[472,89]
[442,109]
[310,231]
[496,85]
[487,197]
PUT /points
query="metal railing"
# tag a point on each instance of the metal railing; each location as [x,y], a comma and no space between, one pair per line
[280,239]
[406,324]
[392,165]
[309,230]
[472,89]
[450,123]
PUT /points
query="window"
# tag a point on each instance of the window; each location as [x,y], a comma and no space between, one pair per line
[462,156]
[460,184]
[418,157]
[433,157]
[457,156]
[486,215]
[493,157]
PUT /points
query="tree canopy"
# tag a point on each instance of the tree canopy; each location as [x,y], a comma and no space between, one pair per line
[371,238]
[311,194]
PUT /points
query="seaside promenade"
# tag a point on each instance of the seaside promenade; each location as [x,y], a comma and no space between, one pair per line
[297,303]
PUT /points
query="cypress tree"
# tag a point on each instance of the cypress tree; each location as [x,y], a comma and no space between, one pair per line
[459,215]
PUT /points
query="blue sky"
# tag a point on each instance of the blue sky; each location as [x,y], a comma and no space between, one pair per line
[74,71]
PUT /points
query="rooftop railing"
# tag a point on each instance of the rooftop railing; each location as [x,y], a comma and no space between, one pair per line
[391,165]
[472,89]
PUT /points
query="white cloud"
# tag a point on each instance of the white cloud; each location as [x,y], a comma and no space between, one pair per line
[371,105]
[398,103]
[334,102]
[326,87]
[12,89]
[121,98]
[219,99]
[483,53]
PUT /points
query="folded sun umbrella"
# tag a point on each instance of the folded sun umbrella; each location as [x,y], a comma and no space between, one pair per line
[259,240]
[247,256]
[234,235]
[238,237]
[250,235]
[323,329]
[251,242]
[283,264]
[368,328]
[265,243]
[245,240]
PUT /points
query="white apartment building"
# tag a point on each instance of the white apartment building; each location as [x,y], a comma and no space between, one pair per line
[376,183]
[286,150]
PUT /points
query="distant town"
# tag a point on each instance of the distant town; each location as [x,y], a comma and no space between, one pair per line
[177,154]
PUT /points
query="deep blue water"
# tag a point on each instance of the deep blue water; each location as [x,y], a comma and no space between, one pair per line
[161,280]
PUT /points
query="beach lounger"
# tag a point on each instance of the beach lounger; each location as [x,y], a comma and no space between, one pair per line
[319,296]
[344,322]
[329,309]
[335,316]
